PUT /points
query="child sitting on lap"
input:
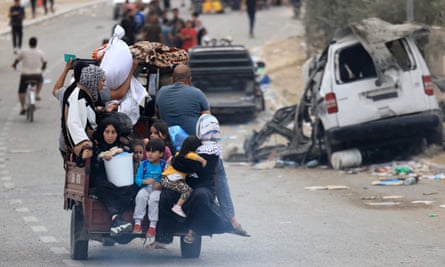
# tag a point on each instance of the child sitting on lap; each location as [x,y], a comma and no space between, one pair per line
[175,180]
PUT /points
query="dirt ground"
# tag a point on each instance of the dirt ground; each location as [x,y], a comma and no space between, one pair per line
[284,60]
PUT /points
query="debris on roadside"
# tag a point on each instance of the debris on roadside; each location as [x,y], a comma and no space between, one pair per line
[389,181]
[425,202]
[384,203]
[403,173]
[392,197]
[327,187]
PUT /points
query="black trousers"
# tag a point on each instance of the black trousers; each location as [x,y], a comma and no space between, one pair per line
[33,7]
[51,2]
[17,35]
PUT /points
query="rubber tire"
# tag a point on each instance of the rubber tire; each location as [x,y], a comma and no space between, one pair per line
[260,103]
[329,150]
[435,136]
[79,248]
[30,112]
[189,251]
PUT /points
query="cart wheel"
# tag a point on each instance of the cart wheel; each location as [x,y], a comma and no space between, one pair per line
[30,112]
[79,247]
[108,242]
[191,250]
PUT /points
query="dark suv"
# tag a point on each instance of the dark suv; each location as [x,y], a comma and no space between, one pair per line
[227,75]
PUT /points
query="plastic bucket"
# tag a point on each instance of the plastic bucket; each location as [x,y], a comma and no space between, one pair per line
[346,159]
[120,169]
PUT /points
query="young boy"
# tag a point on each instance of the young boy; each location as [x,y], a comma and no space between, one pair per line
[148,177]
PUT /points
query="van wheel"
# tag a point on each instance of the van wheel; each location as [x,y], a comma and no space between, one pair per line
[330,149]
[79,246]
[193,250]
[435,136]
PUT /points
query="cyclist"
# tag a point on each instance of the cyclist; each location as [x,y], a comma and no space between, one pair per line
[33,64]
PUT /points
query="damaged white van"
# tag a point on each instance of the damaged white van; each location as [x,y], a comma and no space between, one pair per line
[371,88]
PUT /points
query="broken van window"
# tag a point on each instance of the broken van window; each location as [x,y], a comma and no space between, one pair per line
[399,52]
[354,63]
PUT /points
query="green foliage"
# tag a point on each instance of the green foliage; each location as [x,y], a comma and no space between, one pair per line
[323,17]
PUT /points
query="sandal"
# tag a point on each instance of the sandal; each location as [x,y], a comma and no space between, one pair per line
[239,230]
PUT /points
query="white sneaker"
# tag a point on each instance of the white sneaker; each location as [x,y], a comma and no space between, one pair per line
[178,210]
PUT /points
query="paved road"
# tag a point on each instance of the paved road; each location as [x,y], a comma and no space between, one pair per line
[290,226]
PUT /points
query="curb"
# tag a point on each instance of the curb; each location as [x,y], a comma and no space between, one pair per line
[74,7]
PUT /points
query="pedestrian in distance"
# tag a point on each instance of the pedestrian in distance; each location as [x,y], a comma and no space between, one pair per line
[16,17]
[33,8]
[251,7]
[189,36]
[152,30]
[51,6]
[33,64]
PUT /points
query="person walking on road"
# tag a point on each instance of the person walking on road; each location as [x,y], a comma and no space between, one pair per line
[251,6]
[33,8]
[16,17]
[33,64]
[51,6]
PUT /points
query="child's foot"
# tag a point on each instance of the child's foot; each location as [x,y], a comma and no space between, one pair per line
[178,210]
[151,232]
[137,229]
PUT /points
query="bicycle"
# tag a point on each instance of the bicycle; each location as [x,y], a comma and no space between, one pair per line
[30,99]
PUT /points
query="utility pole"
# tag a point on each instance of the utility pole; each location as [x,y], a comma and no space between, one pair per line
[409,10]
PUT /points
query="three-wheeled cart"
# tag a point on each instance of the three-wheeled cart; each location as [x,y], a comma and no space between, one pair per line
[90,219]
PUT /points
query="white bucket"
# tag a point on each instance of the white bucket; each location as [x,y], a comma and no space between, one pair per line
[346,159]
[119,169]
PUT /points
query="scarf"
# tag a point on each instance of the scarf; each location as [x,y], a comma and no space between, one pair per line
[91,77]
[207,130]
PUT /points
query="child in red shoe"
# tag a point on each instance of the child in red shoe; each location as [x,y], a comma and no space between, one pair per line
[148,177]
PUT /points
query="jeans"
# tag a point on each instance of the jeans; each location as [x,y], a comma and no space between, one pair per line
[223,192]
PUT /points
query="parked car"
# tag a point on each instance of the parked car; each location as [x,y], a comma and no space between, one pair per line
[371,88]
[227,75]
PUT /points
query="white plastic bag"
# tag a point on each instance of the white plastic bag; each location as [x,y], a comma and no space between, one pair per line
[130,102]
[117,61]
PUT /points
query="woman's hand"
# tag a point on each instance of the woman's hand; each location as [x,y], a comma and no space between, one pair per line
[112,106]
[84,149]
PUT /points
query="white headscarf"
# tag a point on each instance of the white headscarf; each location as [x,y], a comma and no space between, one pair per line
[207,130]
